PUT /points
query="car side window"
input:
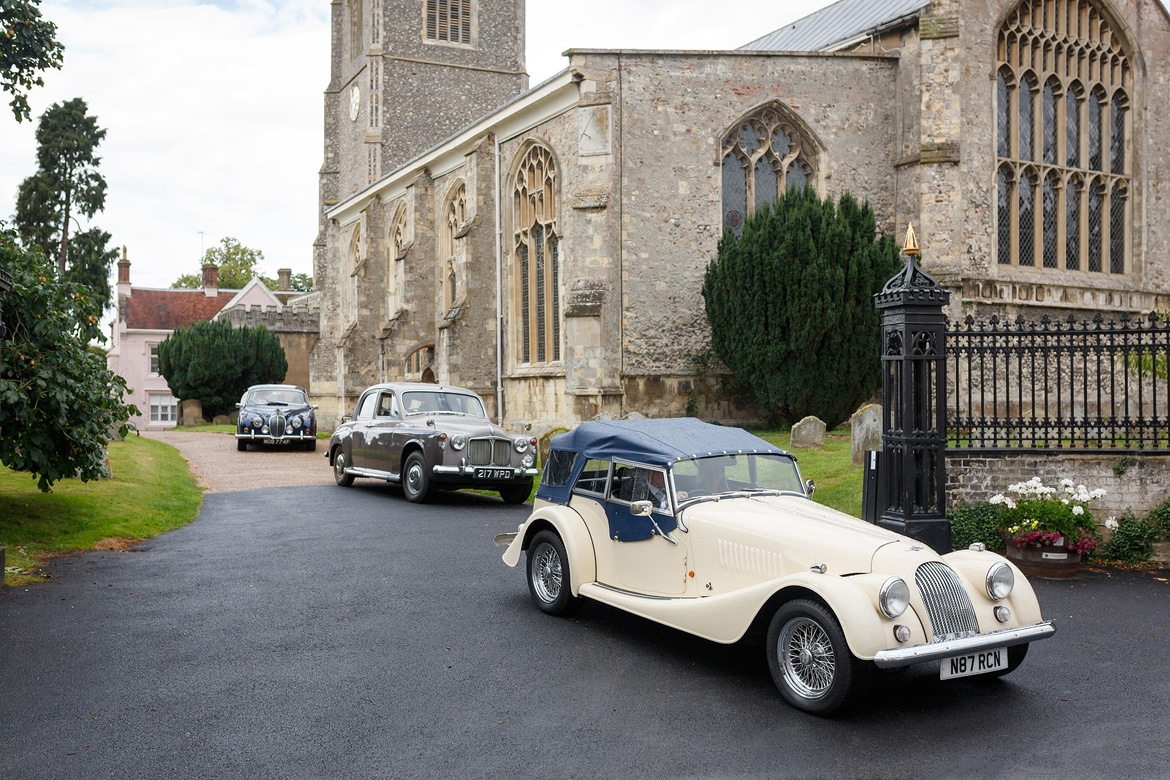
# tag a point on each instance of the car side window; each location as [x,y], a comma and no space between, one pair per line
[366,409]
[559,468]
[388,405]
[593,477]
[638,483]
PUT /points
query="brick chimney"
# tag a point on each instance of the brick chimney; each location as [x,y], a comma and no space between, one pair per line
[124,268]
[123,289]
[210,280]
[284,280]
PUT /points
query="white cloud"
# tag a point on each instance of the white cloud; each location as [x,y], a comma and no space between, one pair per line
[213,111]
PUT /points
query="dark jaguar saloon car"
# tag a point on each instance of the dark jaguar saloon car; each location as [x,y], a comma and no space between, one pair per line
[276,414]
[430,437]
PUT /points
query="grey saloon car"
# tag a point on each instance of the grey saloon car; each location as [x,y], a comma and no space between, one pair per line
[429,437]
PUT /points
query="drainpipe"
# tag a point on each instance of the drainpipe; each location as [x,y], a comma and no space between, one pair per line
[499,291]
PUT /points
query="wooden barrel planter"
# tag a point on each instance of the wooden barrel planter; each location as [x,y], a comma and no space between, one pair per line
[1053,561]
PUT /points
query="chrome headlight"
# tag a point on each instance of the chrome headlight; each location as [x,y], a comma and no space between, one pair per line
[521,445]
[894,597]
[257,422]
[458,441]
[1000,581]
[297,422]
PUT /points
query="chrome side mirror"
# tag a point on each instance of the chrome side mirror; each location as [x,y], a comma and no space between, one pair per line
[810,487]
[641,508]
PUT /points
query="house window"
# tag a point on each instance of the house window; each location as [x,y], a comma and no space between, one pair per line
[449,21]
[763,156]
[154,359]
[536,256]
[1063,89]
[164,409]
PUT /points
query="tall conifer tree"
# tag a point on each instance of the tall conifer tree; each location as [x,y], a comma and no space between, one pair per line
[790,304]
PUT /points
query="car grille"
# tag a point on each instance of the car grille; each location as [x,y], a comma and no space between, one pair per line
[276,425]
[947,604]
[489,452]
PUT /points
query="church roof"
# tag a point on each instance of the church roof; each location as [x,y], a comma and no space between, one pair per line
[169,309]
[833,24]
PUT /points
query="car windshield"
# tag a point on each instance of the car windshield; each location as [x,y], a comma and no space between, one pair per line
[742,473]
[277,396]
[437,401]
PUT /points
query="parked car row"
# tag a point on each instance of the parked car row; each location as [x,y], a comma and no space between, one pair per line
[704,528]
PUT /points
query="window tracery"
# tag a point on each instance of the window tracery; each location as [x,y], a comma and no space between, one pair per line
[454,228]
[536,252]
[762,156]
[1062,91]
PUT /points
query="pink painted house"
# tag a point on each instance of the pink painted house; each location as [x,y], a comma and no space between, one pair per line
[147,316]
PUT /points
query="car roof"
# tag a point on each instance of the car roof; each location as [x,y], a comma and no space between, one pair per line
[276,387]
[400,387]
[659,442]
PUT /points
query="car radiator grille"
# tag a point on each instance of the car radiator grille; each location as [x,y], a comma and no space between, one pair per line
[276,425]
[489,452]
[947,605]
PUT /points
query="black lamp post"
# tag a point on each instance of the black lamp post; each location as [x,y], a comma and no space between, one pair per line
[5,286]
[913,494]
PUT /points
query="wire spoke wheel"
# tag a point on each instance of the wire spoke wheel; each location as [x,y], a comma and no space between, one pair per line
[549,581]
[810,665]
[547,573]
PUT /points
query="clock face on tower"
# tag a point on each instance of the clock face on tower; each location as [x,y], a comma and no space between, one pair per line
[355,102]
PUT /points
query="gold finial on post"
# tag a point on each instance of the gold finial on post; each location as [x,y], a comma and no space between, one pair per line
[911,245]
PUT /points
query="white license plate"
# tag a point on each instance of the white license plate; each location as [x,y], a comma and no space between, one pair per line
[975,663]
[493,473]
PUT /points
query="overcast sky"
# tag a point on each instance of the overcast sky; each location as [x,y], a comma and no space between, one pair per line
[213,110]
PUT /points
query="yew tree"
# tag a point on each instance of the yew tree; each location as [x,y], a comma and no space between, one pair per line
[215,363]
[790,305]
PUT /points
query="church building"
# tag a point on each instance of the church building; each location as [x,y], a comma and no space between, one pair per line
[546,246]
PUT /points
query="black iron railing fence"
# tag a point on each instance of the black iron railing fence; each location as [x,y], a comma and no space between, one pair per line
[1059,385]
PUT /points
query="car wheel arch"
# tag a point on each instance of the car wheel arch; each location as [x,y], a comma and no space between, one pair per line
[574,536]
[852,608]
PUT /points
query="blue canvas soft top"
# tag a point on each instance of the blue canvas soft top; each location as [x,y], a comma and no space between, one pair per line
[653,442]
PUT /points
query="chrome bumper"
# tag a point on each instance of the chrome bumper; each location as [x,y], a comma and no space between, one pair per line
[469,471]
[904,656]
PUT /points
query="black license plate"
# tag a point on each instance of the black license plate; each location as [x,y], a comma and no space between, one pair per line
[493,473]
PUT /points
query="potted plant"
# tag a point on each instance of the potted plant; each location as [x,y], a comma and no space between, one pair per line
[1046,530]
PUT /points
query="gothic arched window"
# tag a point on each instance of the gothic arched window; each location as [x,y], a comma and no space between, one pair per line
[395,263]
[536,254]
[1063,86]
[762,156]
[451,260]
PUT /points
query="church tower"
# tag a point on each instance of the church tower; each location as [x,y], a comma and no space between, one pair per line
[406,74]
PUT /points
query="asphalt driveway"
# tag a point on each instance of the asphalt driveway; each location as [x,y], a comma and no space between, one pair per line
[313,632]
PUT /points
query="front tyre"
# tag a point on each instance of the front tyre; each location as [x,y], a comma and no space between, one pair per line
[311,445]
[416,482]
[518,493]
[809,658]
[548,575]
[241,445]
[340,464]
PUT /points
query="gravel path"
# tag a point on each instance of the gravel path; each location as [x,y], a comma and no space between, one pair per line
[220,468]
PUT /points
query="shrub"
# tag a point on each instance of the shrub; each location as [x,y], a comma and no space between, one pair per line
[1159,517]
[1131,543]
[972,523]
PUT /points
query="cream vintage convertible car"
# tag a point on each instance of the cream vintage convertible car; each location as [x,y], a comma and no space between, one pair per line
[711,530]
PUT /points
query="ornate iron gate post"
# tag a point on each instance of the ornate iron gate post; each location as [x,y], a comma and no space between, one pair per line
[912,489]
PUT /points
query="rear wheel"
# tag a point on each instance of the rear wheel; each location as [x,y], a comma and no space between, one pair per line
[416,482]
[548,575]
[809,658]
[340,463]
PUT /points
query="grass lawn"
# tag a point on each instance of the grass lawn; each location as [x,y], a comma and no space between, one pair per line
[838,480]
[152,491]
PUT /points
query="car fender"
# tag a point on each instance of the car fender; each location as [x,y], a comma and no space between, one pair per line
[853,601]
[973,565]
[574,535]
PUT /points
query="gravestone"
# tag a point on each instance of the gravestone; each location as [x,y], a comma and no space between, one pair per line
[866,432]
[809,432]
[190,412]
